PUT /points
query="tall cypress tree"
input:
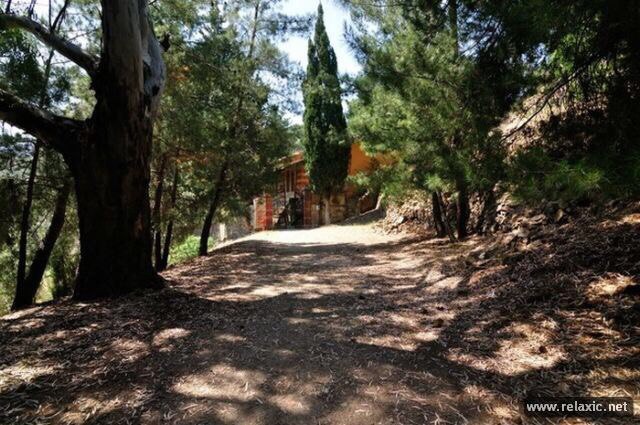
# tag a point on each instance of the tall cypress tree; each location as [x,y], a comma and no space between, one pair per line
[326,143]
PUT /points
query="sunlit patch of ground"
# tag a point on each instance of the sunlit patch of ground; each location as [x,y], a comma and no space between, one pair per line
[633,218]
[528,347]
[22,373]
[609,285]
[341,325]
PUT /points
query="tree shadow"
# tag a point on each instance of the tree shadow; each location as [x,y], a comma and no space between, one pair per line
[411,331]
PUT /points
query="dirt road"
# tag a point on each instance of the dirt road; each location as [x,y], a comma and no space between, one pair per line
[339,325]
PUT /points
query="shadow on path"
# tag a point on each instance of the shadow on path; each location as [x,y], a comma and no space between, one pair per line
[397,332]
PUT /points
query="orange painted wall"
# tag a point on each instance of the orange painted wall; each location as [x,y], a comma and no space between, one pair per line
[359,162]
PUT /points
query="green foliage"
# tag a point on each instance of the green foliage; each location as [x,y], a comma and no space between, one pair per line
[7,279]
[390,182]
[538,177]
[437,105]
[13,156]
[421,101]
[20,70]
[65,258]
[326,143]
[220,110]
[590,149]
[187,250]
[591,173]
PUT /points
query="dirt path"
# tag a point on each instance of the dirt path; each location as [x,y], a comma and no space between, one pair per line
[340,325]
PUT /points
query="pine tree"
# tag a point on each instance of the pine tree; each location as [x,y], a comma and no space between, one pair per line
[326,144]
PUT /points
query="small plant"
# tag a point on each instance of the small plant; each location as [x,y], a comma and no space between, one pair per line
[187,250]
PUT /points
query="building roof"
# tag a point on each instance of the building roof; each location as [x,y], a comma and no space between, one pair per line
[293,159]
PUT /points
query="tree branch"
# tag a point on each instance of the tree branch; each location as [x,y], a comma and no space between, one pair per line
[67,49]
[54,130]
[542,103]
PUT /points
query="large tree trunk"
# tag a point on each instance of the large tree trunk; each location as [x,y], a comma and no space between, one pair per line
[109,154]
[26,291]
[112,170]
[164,262]
[213,208]
[112,176]
[114,215]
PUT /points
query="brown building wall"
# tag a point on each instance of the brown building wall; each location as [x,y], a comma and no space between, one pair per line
[264,213]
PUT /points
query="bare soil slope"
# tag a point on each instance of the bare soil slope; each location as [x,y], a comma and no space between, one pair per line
[341,325]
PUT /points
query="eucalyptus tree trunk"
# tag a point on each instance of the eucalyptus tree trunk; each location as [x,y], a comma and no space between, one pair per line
[112,170]
[108,154]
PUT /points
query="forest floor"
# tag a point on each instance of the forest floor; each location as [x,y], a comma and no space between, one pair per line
[342,325]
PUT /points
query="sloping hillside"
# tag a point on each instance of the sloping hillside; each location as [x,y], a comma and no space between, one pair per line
[343,325]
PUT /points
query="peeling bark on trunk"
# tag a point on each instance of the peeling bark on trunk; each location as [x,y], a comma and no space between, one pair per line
[112,176]
[26,291]
[114,218]
[109,154]
[112,170]
[213,208]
